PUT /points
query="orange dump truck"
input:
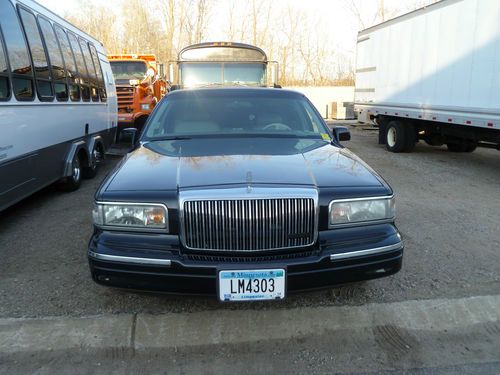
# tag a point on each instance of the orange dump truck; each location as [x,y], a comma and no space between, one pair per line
[139,86]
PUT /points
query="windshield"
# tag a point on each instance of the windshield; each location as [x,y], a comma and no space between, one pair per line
[199,74]
[128,69]
[231,113]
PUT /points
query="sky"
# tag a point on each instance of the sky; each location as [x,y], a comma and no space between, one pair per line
[337,17]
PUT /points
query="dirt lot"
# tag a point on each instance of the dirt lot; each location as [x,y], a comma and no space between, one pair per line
[448,212]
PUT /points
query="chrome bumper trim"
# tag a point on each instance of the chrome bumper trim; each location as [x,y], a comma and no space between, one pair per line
[359,253]
[135,260]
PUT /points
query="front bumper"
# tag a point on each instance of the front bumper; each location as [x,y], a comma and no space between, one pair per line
[126,119]
[158,262]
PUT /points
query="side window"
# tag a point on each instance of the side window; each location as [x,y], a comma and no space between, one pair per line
[56,60]
[91,69]
[100,77]
[69,62]
[19,59]
[4,77]
[38,55]
[82,68]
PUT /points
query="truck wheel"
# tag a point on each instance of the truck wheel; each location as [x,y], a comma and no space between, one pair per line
[396,137]
[411,136]
[456,147]
[382,128]
[73,182]
[434,140]
[471,147]
[461,146]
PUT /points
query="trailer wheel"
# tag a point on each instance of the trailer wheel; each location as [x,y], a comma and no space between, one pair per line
[461,146]
[399,137]
[411,136]
[382,128]
[456,147]
[471,147]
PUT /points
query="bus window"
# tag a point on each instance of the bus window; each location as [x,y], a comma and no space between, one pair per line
[69,62]
[80,63]
[56,60]
[19,59]
[38,55]
[100,77]
[92,72]
[4,77]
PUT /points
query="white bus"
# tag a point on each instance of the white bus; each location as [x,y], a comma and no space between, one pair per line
[58,110]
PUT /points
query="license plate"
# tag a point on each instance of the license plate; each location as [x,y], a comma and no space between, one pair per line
[251,285]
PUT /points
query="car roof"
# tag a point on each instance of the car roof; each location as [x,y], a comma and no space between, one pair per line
[246,91]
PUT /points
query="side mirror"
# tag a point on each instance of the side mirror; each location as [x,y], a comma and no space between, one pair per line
[128,135]
[274,67]
[161,70]
[342,133]
[171,77]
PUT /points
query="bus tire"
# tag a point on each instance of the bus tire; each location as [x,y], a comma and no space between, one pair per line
[72,183]
[97,156]
[396,139]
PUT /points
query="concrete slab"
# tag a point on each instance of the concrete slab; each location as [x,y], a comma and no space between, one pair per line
[55,334]
[228,327]
[234,327]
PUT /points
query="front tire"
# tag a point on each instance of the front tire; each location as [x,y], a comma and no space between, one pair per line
[73,182]
[400,137]
[97,156]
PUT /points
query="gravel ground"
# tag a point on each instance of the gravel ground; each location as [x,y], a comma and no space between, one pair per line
[448,212]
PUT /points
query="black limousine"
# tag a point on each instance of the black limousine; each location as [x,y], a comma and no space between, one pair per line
[244,194]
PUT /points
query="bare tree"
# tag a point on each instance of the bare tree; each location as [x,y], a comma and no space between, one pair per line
[197,16]
[98,25]
[238,22]
[231,30]
[299,43]
[167,11]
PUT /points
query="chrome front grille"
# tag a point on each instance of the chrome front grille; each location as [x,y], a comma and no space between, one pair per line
[249,224]
[125,96]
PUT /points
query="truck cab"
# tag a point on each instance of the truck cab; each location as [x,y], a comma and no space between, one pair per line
[223,64]
[139,86]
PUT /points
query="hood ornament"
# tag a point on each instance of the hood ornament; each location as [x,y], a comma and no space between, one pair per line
[249,182]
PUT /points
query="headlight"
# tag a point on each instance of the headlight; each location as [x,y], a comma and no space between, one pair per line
[134,82]
[361,210]
[145,107]
[131,215]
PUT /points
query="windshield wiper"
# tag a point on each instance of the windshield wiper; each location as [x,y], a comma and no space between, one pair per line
[243,83]
[210,84]
[227,84]
[168,138]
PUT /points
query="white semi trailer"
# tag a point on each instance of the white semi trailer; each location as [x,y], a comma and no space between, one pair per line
[433,75]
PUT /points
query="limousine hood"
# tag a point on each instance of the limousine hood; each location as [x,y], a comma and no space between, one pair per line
[191,163]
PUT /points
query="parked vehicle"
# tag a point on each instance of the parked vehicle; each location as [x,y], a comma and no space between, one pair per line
[433,75]
[139,86]
[243,193]
[57,101]
[223,64]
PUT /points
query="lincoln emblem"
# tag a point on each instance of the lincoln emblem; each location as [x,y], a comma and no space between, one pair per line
[249,182]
